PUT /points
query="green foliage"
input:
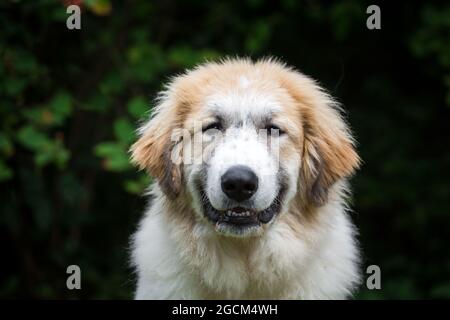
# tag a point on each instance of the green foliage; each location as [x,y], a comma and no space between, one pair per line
[138,107]
[71,102]
[115,155]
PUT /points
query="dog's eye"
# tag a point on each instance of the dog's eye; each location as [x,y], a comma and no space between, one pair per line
[274,127]
[215,125]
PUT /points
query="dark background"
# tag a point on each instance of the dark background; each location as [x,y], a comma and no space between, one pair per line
[71,99]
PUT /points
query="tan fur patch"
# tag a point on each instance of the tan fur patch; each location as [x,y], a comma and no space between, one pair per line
[328,149]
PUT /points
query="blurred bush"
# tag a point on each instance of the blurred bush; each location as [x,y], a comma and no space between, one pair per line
[71,100]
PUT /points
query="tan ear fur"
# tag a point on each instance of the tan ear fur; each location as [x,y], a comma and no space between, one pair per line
[328,152]
[153,150]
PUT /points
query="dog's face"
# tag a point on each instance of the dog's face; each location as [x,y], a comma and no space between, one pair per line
[240,182]
[240,140]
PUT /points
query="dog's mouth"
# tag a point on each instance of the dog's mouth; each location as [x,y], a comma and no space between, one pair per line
[241,220]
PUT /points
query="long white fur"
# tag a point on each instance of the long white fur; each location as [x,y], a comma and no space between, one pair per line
[280,266]
[311,261]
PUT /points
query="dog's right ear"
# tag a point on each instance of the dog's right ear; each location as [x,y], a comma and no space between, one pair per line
[153,150]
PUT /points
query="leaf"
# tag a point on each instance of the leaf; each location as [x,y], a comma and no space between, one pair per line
[61,105]
[184,56]
[32,139]
[137,107]
[42,158]
[99,7]
[137,186]
[53,152]
[99,103]
[106,149]
[132,186]
[124,131]
[115,156]
[258,36]
[24,62]
[40,116]
[46,150]
[145,62]
[112,84]
[118,163]
[55,113]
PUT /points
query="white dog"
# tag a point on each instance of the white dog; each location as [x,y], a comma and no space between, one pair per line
[240,217]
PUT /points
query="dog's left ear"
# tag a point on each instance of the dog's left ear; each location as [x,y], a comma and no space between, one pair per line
[328,151]
[154,149]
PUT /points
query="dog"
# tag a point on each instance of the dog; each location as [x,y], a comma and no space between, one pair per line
[241,217]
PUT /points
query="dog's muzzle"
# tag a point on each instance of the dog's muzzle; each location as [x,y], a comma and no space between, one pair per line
[240,214]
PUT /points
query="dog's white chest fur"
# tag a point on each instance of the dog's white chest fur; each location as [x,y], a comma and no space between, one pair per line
[320,263]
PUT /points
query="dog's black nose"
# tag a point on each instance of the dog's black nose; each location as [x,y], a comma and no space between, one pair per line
[239,183]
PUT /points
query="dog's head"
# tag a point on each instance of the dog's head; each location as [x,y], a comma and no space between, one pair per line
[239,140]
